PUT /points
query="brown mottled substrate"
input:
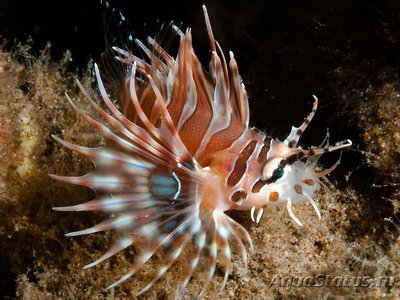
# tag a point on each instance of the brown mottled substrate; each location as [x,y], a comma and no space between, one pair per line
[380,121]
[354,237]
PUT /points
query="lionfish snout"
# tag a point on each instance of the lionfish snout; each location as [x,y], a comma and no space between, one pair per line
[290,173]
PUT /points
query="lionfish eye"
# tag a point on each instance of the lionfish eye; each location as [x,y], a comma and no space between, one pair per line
[277,173]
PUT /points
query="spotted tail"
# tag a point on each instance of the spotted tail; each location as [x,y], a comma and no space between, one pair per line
[154,189]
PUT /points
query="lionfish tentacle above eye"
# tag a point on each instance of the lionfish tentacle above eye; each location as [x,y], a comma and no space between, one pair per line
[178,153]
[296,132]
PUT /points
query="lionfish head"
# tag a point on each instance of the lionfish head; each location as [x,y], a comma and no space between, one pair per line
[291,174]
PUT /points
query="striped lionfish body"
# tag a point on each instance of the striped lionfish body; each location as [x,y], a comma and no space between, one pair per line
[181,154]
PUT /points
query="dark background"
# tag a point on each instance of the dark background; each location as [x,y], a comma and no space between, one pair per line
[286,50]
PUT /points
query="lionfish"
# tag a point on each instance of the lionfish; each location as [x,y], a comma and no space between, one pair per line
[181,154]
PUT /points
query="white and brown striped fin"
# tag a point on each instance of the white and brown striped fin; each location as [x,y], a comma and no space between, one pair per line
[150,183]
[145,177]
[209,110]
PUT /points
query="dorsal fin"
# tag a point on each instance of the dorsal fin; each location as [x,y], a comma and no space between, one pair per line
[209,109]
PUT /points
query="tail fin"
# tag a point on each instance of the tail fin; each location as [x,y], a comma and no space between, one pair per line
[150,183]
